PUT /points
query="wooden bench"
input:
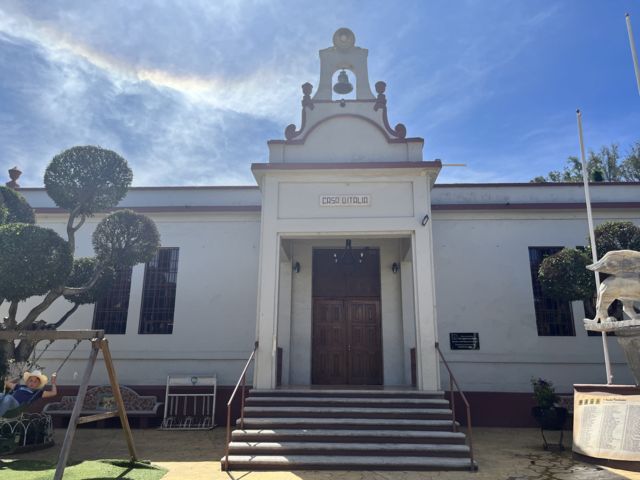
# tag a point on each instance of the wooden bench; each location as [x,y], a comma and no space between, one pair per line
[100,400]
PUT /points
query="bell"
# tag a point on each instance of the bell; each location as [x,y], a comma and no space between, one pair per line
[343,86]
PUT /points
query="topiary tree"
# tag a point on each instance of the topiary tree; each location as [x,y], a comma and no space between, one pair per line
[14,208]
[564,276]
[616,236]
[37,262]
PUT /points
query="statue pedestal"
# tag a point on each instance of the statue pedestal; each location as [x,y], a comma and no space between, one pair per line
[606,425]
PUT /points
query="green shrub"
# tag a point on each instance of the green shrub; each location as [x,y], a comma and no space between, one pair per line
[14,208]
[81,274]
[564,275]
[544,393]
[33,261]
[125,238]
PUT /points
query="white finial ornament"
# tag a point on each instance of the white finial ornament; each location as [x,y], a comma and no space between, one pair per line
[344,38]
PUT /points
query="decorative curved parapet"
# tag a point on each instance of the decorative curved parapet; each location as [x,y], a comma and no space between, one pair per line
[400,131]
[397,133]
[290,132]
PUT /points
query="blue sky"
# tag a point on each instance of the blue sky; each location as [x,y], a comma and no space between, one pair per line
[190,91]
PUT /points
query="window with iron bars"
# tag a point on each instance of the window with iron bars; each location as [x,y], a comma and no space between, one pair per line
[110,312]
[553,317]
[159,293]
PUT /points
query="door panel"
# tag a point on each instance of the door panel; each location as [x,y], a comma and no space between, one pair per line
[365,342]
[347,342]
[329,346]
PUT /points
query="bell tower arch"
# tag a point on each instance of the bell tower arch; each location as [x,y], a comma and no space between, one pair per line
[344,55]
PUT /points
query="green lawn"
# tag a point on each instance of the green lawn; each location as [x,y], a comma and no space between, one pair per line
[89,470]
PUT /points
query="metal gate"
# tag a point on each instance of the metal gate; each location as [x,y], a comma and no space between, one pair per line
[190,402]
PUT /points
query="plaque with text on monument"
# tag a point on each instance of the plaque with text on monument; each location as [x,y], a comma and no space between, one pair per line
[345,200]
[606,423]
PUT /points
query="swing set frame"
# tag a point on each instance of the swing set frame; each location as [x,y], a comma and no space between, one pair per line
[98,344]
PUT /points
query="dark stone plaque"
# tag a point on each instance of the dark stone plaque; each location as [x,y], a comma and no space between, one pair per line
[464,341]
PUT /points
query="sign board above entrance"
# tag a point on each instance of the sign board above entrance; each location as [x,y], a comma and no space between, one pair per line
[345,200]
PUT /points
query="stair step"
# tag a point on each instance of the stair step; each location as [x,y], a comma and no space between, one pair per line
[347,412]
[346,401]
[360,462]
[325,448]
[351,393]
[346,423]
[345,436]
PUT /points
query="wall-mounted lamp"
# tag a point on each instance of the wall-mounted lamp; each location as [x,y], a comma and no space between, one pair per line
[395,267]
[296,267]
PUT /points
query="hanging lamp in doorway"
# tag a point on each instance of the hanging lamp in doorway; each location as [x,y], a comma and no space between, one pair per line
[348,257]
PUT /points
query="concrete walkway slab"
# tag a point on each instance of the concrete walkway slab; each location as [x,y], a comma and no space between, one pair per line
[501,453]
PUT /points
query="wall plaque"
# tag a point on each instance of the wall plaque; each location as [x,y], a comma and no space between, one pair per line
[345,200]
[464,341]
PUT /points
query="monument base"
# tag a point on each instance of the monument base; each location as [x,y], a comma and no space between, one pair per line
[606,425]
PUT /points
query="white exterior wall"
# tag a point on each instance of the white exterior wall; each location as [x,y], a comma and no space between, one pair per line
[484,285]
[214,318]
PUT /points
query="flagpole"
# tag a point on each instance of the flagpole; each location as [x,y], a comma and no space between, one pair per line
[634,55]
[592,238]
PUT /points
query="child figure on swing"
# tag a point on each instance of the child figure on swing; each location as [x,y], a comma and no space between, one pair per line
[34,383]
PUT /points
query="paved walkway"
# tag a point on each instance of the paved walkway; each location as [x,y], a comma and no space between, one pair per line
[502,454]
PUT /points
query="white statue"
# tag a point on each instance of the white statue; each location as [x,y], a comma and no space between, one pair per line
[623,284]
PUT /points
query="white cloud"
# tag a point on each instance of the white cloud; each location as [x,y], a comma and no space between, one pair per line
[190,92]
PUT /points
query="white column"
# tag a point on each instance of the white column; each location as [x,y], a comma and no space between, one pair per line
[284,314]
[427,361]
[267,319]
[408,316]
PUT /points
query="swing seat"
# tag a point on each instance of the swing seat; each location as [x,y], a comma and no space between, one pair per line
[20,409]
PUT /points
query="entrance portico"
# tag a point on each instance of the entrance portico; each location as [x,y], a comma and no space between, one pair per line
[344,198]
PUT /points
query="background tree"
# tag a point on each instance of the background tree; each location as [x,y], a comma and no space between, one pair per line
[563,275]
[631,164]
[606,165]
[37,262]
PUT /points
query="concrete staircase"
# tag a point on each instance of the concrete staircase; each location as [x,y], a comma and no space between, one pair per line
[295,429]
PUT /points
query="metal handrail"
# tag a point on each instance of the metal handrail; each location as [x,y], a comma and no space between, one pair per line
[242,380]
[452,382]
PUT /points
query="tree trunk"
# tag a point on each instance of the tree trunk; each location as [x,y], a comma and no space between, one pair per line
[24,350]
[7,352]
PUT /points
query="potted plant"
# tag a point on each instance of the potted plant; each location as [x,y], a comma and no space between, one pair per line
[548,412]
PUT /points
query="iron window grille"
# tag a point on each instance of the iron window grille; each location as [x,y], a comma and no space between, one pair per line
[553,317]
[159,293]
[110,312]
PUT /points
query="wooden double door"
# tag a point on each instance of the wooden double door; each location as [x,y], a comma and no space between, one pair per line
[347,342]
[347,325]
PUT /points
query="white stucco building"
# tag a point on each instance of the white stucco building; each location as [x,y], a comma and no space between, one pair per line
[347,263]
